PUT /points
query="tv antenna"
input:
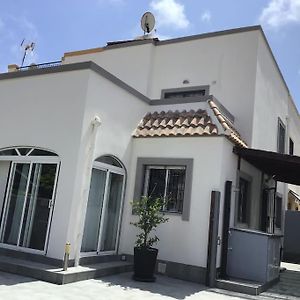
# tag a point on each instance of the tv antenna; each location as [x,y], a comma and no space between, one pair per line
[27,48]
[147,22]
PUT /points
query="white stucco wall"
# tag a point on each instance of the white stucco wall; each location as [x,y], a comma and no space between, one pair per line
[47,111]
[293,125]
[131,64]
[120,112]
[273,101]
[180,241]
[227,63]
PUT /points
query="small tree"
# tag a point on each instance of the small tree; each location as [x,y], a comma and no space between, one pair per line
[149,212]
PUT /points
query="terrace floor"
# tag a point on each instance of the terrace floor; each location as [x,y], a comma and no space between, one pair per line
[122,287]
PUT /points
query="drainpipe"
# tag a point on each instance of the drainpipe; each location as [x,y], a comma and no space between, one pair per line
[95,124]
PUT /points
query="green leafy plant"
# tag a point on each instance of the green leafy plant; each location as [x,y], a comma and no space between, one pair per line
[149,213]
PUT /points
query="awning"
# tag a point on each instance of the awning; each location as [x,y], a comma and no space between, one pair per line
[284,167]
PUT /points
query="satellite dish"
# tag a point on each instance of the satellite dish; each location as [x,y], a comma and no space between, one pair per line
[147,22]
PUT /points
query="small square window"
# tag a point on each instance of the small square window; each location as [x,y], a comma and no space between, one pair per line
[167,182]
[184,93]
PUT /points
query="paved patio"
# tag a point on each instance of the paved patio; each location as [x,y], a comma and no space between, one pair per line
[111,287]
[122,287]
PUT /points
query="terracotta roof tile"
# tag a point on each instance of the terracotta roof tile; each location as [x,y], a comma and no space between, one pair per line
[176,123]
[230,131]
[187,123]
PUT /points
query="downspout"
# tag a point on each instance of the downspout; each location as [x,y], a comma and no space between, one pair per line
[95,124]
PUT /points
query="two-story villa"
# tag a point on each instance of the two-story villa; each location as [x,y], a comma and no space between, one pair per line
[82,138]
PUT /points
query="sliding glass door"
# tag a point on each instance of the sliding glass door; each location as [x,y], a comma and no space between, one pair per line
[28,204]
[102,221]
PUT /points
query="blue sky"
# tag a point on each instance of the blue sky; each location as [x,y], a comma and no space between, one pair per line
[60,26]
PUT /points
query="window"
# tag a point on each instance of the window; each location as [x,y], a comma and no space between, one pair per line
[179,93]
[167,182]
[281,137]
[291,147]
[26,151]
[243,206]
[166,177]
[184,94]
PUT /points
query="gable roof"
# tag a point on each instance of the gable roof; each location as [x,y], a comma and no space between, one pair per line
[188,123]
[176,123]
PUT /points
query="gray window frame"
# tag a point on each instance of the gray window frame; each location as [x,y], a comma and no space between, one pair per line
[249,179]
[143,162]
[280,123]
[185,89]
[291,149]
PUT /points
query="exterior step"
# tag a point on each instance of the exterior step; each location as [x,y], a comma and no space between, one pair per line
[57,275]
[245,287]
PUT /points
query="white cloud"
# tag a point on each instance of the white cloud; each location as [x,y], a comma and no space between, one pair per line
[280,12]
[170,13]
[206,16]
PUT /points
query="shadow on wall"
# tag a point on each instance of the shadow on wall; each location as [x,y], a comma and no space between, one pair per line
[164,286]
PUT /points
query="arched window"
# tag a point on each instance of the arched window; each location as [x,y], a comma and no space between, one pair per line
[109,160]
[103,214]
[25,151]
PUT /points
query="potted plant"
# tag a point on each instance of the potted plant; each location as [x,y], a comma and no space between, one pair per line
[149,214]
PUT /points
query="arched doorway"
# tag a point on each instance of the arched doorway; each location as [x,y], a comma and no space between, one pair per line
[28,177]
[103,214]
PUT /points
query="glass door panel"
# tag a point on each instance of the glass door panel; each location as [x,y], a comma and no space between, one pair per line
[39,202]
[112,213]
[28,204]
[15,203]
[94,210]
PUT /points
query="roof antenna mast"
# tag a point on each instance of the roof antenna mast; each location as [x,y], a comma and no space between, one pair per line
[27,48]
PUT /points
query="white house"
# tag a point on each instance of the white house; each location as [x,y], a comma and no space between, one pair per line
[82,138]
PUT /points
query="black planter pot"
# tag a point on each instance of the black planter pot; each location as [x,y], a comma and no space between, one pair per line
[144,263]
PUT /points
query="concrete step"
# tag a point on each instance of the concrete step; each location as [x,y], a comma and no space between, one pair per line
[240,286]
[57,275]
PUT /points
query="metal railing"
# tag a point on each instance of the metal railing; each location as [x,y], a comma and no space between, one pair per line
[40,66]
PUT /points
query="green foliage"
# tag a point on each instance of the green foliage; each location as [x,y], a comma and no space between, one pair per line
[149,214]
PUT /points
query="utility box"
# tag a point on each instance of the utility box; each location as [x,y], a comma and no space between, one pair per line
[253,255]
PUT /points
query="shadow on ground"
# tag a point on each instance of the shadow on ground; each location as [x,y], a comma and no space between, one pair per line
[164,286]
[13,279]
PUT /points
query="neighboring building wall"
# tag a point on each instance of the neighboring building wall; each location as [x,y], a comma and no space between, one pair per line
[47,111]
[180,241]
